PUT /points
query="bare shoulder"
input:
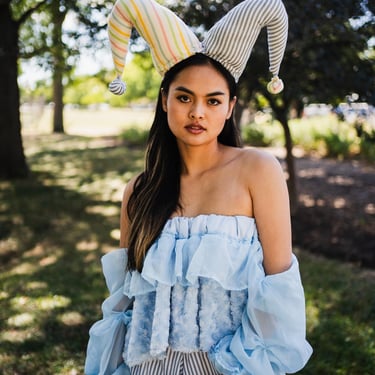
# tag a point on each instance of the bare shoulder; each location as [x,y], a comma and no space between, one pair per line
[261,164]
[256,155]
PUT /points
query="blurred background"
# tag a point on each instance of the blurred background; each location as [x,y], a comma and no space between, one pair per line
[68,147]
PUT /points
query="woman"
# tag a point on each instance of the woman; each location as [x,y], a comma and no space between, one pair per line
[194,289]
[209,297]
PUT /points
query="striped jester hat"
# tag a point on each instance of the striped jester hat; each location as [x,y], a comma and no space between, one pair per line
[230,41]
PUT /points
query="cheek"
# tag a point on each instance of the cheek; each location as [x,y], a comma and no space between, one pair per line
[174,119]
[176,111]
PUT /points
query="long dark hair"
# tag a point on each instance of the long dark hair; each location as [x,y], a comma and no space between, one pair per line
[156,191]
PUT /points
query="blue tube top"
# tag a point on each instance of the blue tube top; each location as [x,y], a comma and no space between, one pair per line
[203,288]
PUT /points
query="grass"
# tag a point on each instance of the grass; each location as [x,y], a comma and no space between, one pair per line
[88,122]
[54,228]
[340,316]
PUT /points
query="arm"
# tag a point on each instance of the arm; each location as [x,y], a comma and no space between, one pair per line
[270,199]
[271,338]
[124,219]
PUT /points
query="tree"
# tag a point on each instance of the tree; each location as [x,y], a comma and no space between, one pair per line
[26,31]
[12,158]
[326,58]
[324,61]
[57,48]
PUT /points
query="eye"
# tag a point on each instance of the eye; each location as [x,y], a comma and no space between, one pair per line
[183,98]
[214,101]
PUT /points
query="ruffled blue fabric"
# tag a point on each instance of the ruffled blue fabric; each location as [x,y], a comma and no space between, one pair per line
[211,246]
[203,288]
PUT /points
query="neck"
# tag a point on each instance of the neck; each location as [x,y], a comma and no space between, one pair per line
[199,159]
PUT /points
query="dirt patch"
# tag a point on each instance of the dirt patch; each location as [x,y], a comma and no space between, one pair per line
[336,216]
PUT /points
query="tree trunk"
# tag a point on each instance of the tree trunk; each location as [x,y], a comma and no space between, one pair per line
[281,114]
[292,180]
[58,67]
[58,109]
[12,158]
[238,111]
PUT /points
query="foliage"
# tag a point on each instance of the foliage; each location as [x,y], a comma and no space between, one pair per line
[325,135]
[141,78]
[51,286]
[134,136]
[83,29]
[36,33]
[46,33]
[336,145]
[325,59]
[366,135]
[254,135]
[85,90]
[326,56]
[368,148]
[41,91]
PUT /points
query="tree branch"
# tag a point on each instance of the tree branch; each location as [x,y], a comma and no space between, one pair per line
[35,52]
[30,11]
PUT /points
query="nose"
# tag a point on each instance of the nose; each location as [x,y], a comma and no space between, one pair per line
[196,111]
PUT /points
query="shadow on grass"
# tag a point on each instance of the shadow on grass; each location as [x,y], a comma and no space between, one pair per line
[54,228]
[336,216]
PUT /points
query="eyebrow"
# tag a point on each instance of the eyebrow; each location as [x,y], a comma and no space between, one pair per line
[184,89]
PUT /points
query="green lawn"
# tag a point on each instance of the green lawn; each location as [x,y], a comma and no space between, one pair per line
[54,228]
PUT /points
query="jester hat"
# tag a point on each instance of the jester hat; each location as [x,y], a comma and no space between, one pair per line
[230,41]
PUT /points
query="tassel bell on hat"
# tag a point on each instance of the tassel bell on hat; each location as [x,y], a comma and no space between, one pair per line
[231,40]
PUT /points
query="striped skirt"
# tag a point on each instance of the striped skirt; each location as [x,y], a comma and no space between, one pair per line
[177,363]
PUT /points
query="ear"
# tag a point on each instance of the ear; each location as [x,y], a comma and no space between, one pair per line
[231,107]
[164,97]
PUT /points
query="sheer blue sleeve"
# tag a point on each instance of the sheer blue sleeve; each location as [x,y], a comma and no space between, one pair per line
[106,341]
[271,339]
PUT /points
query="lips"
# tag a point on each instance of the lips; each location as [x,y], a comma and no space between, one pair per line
[195,128]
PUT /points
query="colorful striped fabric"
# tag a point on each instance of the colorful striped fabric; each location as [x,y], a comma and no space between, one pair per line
[231,40]
[169,38]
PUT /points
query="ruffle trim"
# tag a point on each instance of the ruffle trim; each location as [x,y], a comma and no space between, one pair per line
[209,246]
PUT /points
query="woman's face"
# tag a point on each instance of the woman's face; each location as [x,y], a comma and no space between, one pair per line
[197,105]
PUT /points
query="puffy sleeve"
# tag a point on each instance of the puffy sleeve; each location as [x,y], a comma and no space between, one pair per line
[271,339]
[106,341]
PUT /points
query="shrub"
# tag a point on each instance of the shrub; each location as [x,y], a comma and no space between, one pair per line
[253,135]
[336,145]
[366,136]
[134,136]
[367,147]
